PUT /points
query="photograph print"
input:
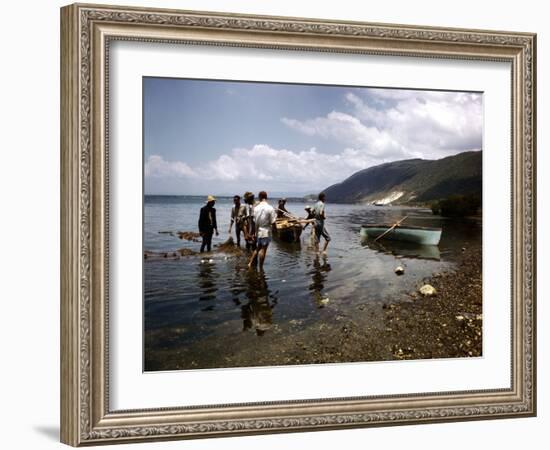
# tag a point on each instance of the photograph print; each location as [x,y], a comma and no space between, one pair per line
[293,224]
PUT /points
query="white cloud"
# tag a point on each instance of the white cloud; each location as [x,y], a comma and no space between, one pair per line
[157,167]
[348,130]
[262,166]
[402,123]
[379,126]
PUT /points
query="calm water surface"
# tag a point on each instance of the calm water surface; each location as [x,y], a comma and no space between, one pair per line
[192,299]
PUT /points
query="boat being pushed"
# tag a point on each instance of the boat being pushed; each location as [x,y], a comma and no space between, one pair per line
[418,235]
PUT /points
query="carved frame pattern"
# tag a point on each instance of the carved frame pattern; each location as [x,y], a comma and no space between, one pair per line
[86,418]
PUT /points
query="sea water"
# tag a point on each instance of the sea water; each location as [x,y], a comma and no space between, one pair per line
[195,300]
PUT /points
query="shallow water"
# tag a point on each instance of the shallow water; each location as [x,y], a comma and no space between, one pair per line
[191,301]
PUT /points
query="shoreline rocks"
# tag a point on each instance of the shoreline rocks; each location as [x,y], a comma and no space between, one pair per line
[427,290]
[189,236]
[448,325]
[228,247]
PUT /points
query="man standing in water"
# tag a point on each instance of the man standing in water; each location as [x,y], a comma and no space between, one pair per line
[238,213]
[319,215]
[249,229]
[281,209]
[207,223]
[264,218]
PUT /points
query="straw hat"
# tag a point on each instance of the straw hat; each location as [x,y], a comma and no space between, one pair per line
[210,198]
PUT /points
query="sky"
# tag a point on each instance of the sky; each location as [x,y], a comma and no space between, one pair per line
[227,137]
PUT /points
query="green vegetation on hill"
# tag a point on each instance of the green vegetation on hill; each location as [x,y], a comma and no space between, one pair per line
[457,206]
[419,180]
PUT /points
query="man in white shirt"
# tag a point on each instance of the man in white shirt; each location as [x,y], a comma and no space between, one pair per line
[264,218]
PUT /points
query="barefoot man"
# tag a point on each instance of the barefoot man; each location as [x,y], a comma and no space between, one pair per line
[208,224]
[320,216]
[238,213]
[264,218]
[249,229]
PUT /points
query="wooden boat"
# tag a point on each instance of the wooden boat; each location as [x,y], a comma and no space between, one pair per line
[287,230]
[418,235]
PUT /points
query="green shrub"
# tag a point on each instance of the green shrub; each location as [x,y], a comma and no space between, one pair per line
[459,206]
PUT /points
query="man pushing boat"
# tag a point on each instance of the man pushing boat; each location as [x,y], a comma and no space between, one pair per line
[282,212]
[319,214]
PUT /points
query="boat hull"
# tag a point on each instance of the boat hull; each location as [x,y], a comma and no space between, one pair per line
[418,235]
[287,232]
[403,249]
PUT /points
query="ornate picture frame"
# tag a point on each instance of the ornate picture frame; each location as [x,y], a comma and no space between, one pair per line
[86,34]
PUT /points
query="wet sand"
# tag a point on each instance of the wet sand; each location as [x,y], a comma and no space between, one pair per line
[405,326]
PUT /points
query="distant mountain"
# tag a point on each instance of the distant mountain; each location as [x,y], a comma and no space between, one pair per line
[411,180]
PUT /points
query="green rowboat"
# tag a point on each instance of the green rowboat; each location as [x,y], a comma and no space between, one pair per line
[418,235]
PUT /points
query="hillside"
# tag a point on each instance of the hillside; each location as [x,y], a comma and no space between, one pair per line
[412,180]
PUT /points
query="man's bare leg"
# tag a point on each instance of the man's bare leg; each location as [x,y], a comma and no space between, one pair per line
[262,253]
[253,259]
[325,248]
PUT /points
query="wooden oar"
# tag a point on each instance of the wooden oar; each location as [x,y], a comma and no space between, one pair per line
[391,228]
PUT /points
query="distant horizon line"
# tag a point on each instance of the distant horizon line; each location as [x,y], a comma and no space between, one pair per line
[227,195]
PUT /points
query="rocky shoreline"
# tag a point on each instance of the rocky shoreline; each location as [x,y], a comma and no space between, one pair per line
[446,325]
[411,326]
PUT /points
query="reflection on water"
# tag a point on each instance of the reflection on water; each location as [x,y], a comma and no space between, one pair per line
[319,273]
[238,284]
[187,300]
[257,314]
[207,281]
[403,249]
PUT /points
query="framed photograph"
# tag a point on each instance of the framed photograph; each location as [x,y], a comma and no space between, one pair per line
[278,224]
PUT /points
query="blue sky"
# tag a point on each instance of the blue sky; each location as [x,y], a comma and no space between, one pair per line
[226,137]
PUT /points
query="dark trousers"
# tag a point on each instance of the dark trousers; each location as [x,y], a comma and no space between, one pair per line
[251,245]
[238,231]
[320,230]
[206,241]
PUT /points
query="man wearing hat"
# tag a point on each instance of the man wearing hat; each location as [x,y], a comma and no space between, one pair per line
[249,228]
[281,209]
[207,223]
[238,214]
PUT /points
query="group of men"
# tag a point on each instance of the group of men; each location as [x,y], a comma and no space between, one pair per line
[255,220]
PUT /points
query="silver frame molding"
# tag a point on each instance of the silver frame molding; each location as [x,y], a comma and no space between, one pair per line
[86,32]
